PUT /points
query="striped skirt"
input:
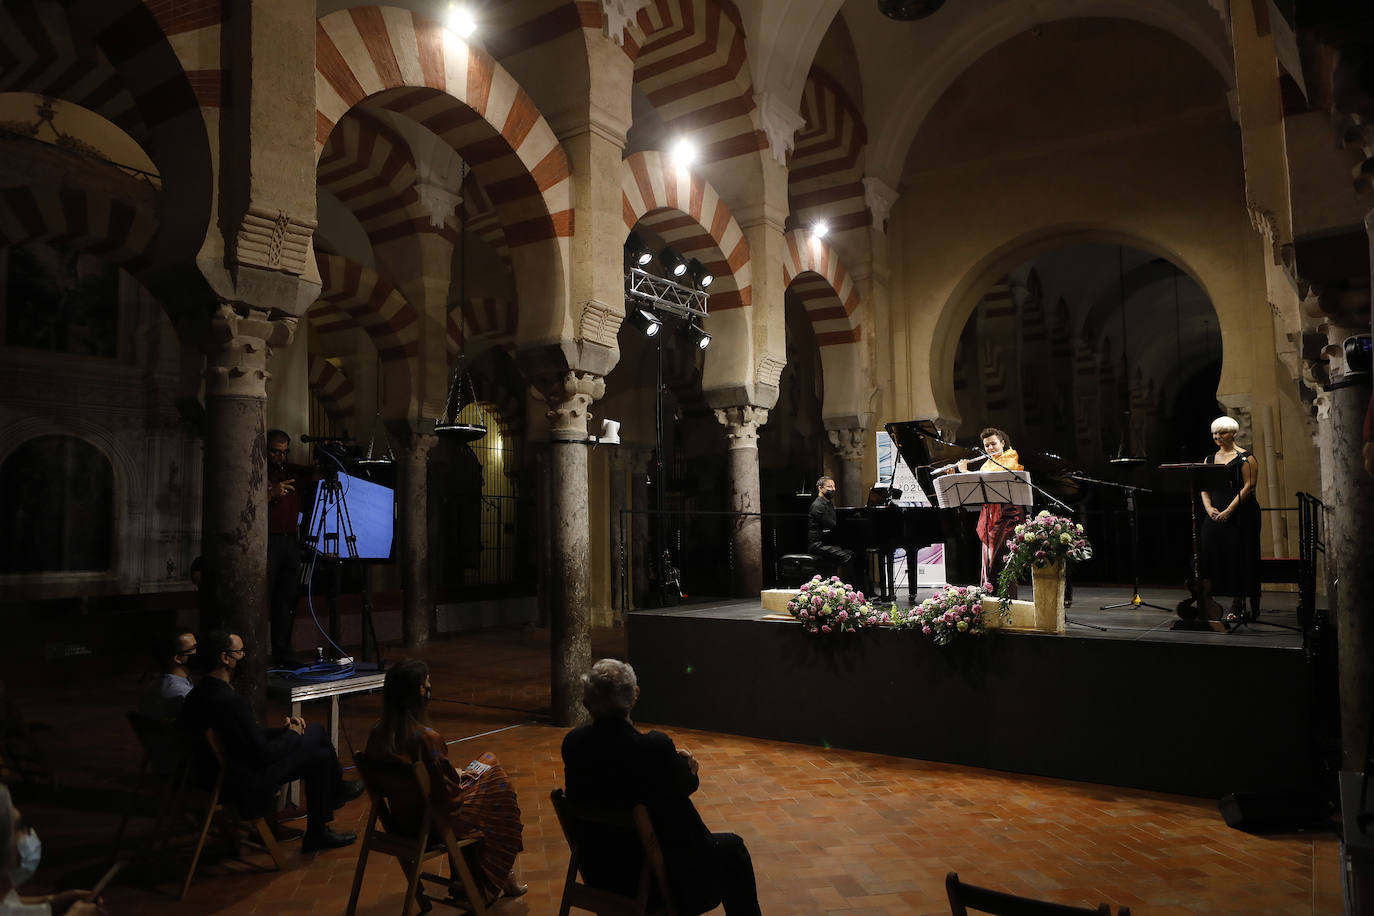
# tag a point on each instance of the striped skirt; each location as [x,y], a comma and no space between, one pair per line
[486,809]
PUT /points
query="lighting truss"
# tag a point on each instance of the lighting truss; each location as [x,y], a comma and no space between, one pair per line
[665,294]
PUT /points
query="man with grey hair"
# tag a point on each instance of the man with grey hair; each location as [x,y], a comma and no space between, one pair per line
[611,763]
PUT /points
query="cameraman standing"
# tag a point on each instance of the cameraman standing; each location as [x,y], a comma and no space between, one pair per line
[283,543]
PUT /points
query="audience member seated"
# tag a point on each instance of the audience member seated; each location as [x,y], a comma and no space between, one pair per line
[479,800]
[257,759]
[20,852]
[612,764]
[165,695]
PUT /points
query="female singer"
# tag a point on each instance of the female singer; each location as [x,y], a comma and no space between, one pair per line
[997,520]
[1230,537]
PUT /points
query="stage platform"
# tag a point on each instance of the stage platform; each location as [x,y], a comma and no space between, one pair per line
[1133,704]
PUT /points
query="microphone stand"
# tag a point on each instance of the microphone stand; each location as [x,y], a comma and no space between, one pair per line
[1133,508]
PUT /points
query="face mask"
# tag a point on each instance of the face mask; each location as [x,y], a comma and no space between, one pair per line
[30,852]
[830,495]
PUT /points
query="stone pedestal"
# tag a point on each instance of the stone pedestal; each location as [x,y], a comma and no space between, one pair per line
[746,539]
[1048,597]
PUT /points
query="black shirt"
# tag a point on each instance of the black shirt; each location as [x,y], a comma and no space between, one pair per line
[820,521]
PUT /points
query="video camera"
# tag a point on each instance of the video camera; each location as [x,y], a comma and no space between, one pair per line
[332,453]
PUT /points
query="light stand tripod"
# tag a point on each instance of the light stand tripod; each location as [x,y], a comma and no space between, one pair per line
[1133,522]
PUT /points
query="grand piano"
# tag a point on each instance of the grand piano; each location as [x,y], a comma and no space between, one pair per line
[883,526]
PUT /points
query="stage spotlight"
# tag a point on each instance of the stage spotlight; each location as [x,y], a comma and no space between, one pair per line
[636,251]
[820,230]
[645,320]
[698,336]
[672,261]
[684,153]
[700,275]
[460,20]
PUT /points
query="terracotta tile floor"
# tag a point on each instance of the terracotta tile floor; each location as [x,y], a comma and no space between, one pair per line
[829,830]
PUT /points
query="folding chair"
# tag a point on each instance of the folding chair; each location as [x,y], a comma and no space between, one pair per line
[413,830]
[215,807]
[166,758]
[965,897]
[576,819]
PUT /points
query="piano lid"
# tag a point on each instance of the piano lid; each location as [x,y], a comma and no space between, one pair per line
[920,444]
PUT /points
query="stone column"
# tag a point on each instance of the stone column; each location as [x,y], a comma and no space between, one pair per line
[413,518]
[234,514]
[849,445]
[568,396]
[746,539]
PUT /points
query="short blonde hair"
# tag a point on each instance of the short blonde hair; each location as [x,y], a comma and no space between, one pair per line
[1225,425]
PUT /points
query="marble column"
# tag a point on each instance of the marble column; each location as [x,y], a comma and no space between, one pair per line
[417,612]
[234,516]
[746,539]
[849,446]
[568,397]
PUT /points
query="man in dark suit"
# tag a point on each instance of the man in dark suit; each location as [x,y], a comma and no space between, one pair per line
[613,764]
[258,760]
[820,521]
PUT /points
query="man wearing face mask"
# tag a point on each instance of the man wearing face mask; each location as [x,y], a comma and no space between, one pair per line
[821,520]
[20,852]
[166,694]
[258,760]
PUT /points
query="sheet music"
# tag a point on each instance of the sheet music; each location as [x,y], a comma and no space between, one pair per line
[975,488]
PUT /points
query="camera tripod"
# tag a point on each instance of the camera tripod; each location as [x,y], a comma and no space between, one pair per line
[331,538]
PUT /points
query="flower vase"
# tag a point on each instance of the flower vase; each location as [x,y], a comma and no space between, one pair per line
[1048,583]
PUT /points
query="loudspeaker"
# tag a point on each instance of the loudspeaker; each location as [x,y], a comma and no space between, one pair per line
[1275,812]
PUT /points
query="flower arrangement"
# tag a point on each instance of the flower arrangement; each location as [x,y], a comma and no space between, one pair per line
[956,611]
[831,606]
[1040,542]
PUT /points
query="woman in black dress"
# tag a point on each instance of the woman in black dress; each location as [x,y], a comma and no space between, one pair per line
[1231,529]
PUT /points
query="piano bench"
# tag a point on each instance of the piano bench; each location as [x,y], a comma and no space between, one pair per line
[797,568]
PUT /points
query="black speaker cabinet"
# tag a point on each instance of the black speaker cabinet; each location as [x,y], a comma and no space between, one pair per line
[1275,812]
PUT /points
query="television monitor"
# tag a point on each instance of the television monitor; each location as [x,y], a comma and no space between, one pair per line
[371,510]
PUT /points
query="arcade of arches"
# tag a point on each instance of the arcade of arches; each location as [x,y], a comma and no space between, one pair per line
[308,217]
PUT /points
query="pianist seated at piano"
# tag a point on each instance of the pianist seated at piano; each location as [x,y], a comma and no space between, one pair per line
[820,524]
[996,521]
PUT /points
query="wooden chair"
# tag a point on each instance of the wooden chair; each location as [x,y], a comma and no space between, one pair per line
[574,818]
[964,897]
[166,762]
[414,831]
[216,809]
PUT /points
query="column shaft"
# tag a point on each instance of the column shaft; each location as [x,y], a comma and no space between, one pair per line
[746,538]
[569,615]
[413,519]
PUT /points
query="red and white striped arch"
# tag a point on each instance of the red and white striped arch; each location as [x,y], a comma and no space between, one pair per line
[487,321]
[825,171]
[691,62]
[413,66]
[355,296]
[116,230]
[331,385]
[371,170]
[812,270]
[686,212]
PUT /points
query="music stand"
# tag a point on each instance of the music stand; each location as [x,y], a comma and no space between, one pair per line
[973,488]
[1195,477]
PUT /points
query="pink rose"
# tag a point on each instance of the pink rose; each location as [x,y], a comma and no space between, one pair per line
[842,616]
[925,630]
[825,629]
[816,602]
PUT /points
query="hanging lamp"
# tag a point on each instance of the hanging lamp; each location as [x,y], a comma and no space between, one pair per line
[1125,455]
[461,393]
[375,457]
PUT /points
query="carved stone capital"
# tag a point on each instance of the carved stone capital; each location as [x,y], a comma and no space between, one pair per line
[849,443]
[879,196]
[742,425]
[274,240]
[568,396]
[1267,225]
[439,202]
[599,323]
[779,122]
[238,344]
[619,15]
[768,372]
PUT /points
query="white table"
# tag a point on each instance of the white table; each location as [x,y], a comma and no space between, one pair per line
[299,692]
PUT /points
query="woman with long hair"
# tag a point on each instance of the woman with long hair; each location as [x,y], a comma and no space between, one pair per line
[479,799]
